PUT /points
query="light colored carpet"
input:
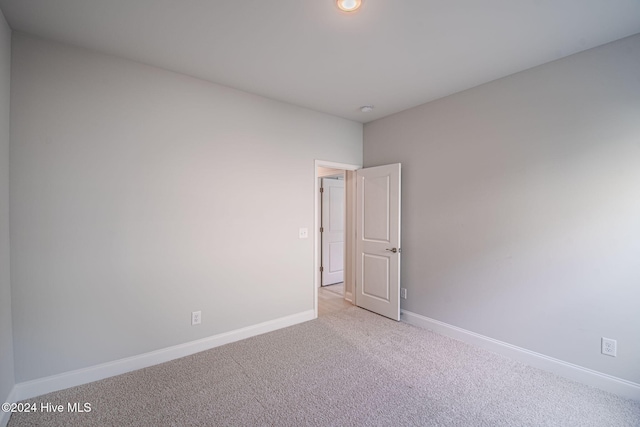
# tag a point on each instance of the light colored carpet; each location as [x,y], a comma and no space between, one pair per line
[350,368]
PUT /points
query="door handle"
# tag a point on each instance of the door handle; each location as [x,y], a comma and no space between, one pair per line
[394,250]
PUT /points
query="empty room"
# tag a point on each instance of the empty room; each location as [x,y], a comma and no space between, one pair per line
[319,212]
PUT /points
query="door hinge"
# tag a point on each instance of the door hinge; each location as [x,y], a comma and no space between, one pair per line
[321,269]
[322,229]
[321,189]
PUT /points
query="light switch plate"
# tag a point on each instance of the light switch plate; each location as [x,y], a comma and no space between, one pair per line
[303,233]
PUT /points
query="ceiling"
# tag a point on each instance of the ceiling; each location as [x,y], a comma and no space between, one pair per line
[390,54]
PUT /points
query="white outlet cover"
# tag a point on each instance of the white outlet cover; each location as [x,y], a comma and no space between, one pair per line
[196,318]
[609,347]
[303,233]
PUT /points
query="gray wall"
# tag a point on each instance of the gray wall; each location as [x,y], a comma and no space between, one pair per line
[521,207]
[139,195]
[6,337]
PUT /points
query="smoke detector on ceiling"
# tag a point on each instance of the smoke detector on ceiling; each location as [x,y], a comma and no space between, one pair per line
[366,108]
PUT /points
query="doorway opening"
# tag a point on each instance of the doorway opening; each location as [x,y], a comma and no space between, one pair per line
[370,259]
[334,244]
[332,233]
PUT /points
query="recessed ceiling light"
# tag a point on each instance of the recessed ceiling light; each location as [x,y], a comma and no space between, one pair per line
[349,5]
[366,108]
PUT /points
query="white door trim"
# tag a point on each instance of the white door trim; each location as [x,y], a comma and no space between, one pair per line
[316,222]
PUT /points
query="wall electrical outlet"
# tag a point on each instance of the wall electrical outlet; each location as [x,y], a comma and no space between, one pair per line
[609,347]
[403,293]
[196,318]
[303,233]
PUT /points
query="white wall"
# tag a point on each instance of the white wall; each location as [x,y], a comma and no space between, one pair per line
[6,337]
[521,207]
[139,195]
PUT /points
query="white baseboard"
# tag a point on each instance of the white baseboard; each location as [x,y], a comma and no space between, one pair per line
[559,367]
[40,386]
[4,416]
[349,297]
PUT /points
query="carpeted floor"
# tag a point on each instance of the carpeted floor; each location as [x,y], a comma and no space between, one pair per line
[350,368]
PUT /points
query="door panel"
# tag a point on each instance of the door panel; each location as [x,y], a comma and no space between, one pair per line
[332,237]
[375,196]
[336,257]
[378,240]
[375,278]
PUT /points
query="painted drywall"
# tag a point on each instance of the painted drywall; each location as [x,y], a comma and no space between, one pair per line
[6,335]
[521,207]
[140,195]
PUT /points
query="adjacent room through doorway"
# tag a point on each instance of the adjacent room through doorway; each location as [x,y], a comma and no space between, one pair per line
[332,241]
[334,247]
[348,198]
[332,232]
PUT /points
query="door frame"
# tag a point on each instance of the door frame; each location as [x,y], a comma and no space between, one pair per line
[349,230]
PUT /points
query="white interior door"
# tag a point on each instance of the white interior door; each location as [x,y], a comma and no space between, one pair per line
[378,240]
[332,231]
